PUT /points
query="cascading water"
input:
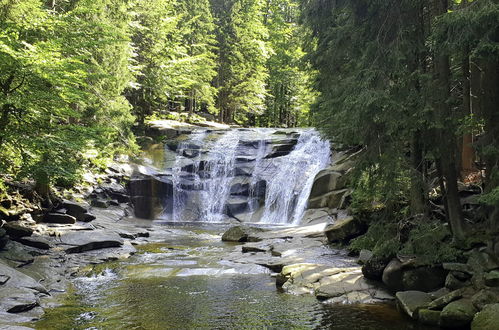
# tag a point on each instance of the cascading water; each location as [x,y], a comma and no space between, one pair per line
[289,186]
[250,175]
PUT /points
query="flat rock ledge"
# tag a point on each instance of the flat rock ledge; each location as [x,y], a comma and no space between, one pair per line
[305,264]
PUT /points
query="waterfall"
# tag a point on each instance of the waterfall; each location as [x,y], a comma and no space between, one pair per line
[247,175]
[291,182]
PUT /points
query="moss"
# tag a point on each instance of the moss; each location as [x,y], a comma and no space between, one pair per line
[430,241]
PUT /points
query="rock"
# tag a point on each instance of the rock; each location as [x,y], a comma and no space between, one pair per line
[17,231]
[326,181]
[393,275]
[73,208]
[481,261]
[313,216]
[443,301]
[424,278]
[151,195]
[101,203]
[457,267]
[17,300]
[19,280]
[238,234]
[374,267]
[3,238]
[344,229]
[59,218]
[429,317]
[487,319]
[492,278]
[485,297]
[453,283]
[36,242]
[238,205]
[331,200]
[86,241]
[85,217]
[457,314]
[364,256]
[410,302]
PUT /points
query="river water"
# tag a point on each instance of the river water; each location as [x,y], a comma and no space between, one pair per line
[183,282]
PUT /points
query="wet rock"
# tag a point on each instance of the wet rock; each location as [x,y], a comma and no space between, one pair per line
[487,319]
[17,300]
[239,234]
[279,150]
[410,302]
[86,241]
[15,230]
[429,317]
[19,280]
[457,314]
[240,205]
[492,278]
[59,218]
[36,242]
[101,203]
[345,229]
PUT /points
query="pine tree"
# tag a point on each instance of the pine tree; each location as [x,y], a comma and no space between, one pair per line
[242,55]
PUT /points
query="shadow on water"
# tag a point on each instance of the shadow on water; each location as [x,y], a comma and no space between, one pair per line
[182,283]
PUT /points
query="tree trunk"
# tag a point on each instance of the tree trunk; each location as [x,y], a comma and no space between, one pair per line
[418,191]
[445,138]
[467,150]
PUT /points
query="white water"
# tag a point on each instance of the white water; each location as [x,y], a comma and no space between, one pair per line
[241,158]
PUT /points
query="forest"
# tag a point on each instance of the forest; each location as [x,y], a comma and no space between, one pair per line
[346,150]
[414,82]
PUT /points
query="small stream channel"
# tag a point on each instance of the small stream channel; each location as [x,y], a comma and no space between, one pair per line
[183,282]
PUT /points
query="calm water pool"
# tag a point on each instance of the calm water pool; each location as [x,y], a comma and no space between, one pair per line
[184,283]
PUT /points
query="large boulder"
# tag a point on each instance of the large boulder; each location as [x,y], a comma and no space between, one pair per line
[59,218]
[457,314]
[239,234]
[344,229]
[410,302]
[333,199]
[424,278]
[487,319]
[373,267]
[326,181]
[151,195]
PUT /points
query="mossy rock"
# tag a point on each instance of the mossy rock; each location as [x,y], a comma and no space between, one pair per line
[457,314]
[487,319]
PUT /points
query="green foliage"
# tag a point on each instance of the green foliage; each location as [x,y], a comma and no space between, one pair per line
[62,75]
[431,242]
